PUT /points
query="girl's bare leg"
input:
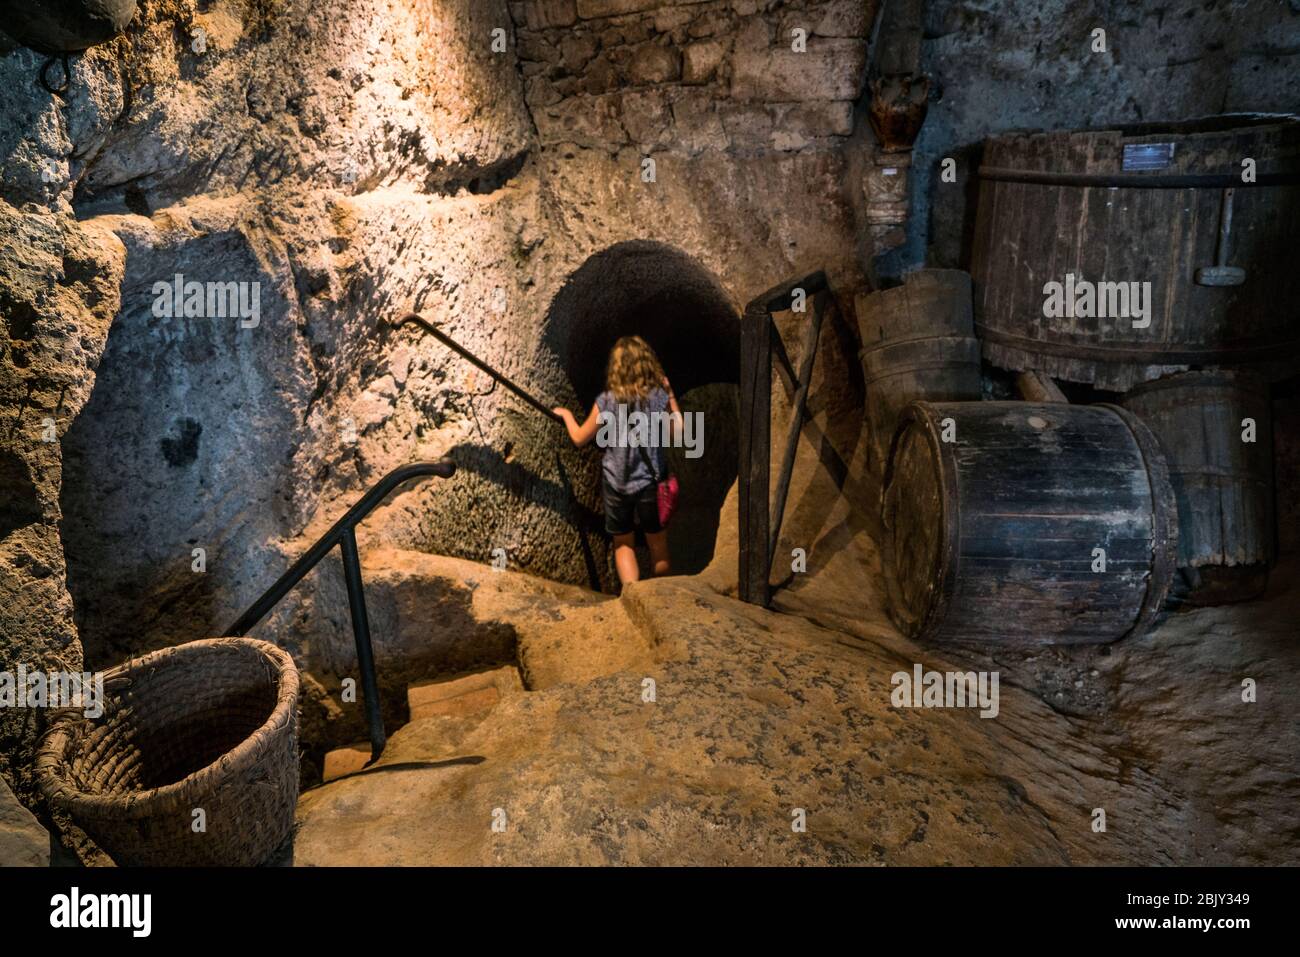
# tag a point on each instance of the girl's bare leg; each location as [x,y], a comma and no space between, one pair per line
[658,542]
[625,558]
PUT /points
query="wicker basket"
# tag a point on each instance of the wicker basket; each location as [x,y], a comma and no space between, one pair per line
[210,725]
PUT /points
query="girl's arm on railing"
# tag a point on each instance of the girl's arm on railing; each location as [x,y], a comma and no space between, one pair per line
[580,434]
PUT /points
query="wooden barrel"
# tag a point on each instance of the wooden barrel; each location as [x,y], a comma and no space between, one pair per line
[918,344]
[943,369]
[1223,484]
[1164,205]
[994,512]
[930,302]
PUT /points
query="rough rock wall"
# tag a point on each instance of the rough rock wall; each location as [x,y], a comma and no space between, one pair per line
[58,294]
[692,76]
[241,95]
[1001,65]
[240,137]
[362,159]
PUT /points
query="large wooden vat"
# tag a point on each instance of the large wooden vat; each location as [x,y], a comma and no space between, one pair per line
[994,534]
[1145,204]
[917,344]
[1223,484]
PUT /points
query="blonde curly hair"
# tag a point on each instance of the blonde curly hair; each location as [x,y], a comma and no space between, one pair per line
[634,370]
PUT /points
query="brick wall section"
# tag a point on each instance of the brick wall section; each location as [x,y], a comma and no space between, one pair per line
[693,75]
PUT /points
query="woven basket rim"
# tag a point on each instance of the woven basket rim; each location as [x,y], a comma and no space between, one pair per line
[51,756]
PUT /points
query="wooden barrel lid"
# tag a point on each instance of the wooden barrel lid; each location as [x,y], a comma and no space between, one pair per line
[920,507]
[920,521]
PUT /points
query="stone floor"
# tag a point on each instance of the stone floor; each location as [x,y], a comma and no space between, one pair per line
[678,725]
[720,733]
[23,842]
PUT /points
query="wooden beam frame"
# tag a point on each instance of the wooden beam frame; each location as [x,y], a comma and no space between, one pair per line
[759,523]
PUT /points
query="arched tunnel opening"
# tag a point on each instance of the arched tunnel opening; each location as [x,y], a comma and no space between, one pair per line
[668,298]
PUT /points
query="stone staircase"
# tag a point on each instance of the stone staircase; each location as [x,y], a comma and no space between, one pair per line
[471,695]
[23,841]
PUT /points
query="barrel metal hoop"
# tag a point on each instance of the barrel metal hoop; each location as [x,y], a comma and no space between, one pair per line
[1096,353]
[949,551]
[879,353]
[1136,180]
[1164,521]
[918,367]
[1238,476]
[1229,381]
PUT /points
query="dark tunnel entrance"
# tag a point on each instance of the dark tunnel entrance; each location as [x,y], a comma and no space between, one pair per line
[665,296]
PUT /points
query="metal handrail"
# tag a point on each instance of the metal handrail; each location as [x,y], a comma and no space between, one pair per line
[593,576]
[464,353]
[343,534]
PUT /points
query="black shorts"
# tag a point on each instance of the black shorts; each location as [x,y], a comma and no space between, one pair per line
[624,513]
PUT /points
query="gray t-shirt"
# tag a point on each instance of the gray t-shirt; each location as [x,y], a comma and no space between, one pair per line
[622,427]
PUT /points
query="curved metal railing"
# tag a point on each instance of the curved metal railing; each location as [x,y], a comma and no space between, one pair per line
[343,534]
[465,354]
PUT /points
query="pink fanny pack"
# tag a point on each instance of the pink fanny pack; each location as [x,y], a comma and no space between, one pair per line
[665,491]
[667,495]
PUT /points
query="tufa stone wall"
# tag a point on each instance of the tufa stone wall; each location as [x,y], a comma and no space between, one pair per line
[356,162]
[690,76]
[1167,61]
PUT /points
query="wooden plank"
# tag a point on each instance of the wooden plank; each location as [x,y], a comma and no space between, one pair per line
[755,452]
[1224,486]
[781,296]
[807,357]
[1036,387]
[784,366]
[756,348]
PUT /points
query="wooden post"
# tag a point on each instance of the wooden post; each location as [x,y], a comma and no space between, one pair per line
[798,409]
[784,366]
[755,451]
[756,352]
